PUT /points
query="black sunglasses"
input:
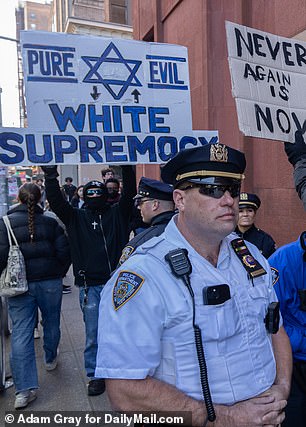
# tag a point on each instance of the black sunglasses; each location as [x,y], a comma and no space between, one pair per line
[214,190]
[140,201]
[93,191]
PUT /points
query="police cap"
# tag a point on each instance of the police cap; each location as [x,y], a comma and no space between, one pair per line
[249,200]
[210,160]
[154,189]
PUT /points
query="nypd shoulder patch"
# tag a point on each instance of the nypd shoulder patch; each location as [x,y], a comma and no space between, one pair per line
[126,253]
[275,275]
[126,286]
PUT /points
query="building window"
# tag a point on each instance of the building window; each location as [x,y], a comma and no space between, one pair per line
[120,11]
[33,26]
[32,15]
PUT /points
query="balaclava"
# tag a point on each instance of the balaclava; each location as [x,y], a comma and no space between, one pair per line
[95,203]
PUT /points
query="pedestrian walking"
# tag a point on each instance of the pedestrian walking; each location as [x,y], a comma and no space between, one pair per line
[77,200]
[69,189]
[106,174]
[47,257]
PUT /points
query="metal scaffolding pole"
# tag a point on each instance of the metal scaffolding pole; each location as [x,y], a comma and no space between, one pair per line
[4,169]
[3,172]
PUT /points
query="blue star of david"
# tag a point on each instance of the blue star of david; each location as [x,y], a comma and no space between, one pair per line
[94,63]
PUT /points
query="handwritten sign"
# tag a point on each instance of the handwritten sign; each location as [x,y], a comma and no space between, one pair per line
[268,82]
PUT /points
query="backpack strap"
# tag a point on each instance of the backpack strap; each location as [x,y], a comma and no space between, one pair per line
[252,266]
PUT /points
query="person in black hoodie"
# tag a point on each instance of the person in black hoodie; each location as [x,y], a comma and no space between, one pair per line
[97,235]
[45,248]
[154,200]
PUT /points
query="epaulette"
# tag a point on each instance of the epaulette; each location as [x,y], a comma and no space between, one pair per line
[133,248]
[252,266]
[151,243]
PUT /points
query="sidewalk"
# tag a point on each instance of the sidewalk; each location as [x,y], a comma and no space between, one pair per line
[63,389]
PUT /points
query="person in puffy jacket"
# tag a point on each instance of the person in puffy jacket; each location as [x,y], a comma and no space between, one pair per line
[45,248]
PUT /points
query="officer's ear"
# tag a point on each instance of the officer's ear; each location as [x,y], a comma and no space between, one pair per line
[155,204]
[179,199]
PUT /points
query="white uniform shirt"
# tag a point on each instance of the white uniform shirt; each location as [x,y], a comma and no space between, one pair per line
[151,333]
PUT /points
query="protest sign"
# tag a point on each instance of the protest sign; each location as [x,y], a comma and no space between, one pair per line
[23,147]
[101,100]
[268,82]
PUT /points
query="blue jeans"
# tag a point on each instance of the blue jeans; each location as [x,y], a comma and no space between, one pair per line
[47,295]
[90,311]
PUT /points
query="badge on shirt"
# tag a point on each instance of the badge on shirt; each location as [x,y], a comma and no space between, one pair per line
[126,286]
[275,275]
[126,253]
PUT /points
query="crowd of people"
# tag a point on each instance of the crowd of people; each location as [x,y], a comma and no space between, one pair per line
[195,311]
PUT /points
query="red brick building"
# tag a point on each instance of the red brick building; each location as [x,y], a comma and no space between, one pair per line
[200,25]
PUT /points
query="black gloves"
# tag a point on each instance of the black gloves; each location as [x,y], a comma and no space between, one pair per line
[296,151]
[50,171]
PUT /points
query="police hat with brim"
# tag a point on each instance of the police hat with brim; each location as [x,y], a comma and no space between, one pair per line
[200,163]
[249,200]
[153,189]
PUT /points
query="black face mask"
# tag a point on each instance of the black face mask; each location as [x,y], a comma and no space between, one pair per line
[96,203]
[112,194]
[98,189]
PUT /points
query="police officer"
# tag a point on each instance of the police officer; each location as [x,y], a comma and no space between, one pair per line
[289,267]
[248,206]
[197,281]
[155,201]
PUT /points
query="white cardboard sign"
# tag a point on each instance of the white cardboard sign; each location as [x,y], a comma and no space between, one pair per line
[268,75]
[101,100]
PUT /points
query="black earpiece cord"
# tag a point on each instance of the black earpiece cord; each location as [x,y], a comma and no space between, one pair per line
[181,268]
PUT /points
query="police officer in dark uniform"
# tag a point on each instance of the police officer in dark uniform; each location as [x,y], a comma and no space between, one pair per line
[248,205]
[155,202]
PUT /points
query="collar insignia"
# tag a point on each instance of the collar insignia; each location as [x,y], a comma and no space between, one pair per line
[126,286]
[218,153]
